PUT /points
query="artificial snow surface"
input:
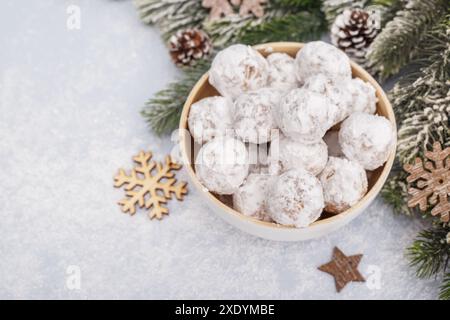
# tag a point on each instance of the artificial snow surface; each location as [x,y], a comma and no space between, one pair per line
[69,118]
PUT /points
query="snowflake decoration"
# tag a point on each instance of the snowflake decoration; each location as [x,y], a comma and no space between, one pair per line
[432,179]
[223,8]
[153,179]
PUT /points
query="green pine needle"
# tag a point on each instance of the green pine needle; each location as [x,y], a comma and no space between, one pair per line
[163,111]
[296,5]
[445,288]
[171,15]
[396,45]
[430,252]
[303,26]
[421,98]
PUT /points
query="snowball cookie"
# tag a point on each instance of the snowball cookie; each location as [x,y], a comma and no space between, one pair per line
[363,98]
[320,57]
[253,116]
[258,157]
[367,139]
[331,138]
[282,71]
[250,198]
[237,69]
[344,183]
[286,154]
[210,118]
[339,94]
[222,165]
[305,115]
[295,198]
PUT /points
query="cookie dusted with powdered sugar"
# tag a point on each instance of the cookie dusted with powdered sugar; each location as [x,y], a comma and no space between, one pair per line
[286,154]
[363,96]
[344,183]
[338,93]
[295,198]
[253,115]
[237,69]
[367,139]
[304,115]
[250,198]
[221,165]
[210,118]
[320,57]
[282,73]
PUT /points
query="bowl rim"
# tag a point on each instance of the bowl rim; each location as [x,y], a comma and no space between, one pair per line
[371,194]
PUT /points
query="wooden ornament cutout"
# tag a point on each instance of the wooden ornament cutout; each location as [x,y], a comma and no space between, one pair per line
[344,269]
[219,8]
[223,8]
[254,7]
[150,184]
[432,182]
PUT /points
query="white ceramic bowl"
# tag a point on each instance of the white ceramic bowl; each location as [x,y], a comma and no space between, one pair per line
[268,230]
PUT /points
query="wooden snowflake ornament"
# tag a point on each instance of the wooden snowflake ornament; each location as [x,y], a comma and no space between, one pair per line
[219,8]
[150,184]
[432,182]
[254,7]
[223,8]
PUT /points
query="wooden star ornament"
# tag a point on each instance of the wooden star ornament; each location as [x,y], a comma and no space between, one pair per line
[344,269]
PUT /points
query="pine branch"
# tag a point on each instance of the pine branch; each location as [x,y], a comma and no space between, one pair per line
[422,98]
[171,15]
[163,111]
[421,129]
[226,31]
[394,47]
[303,26]
[295,6]
[388,9]
[430,252]
[445,288]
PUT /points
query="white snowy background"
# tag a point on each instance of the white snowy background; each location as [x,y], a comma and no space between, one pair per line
[69,118]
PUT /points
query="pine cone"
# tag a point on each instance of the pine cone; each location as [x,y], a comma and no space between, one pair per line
[353,31]
[189,45]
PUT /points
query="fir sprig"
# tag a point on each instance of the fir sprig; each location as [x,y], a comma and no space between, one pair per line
[297,4]
[396,45]
[228,30]
[422,98]
[445,288]
[430,252]
[162,112]
[303,26]
[224,31]
[171,15]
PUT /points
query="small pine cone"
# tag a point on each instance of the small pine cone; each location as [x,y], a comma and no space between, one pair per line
[353,31]
[189,45]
